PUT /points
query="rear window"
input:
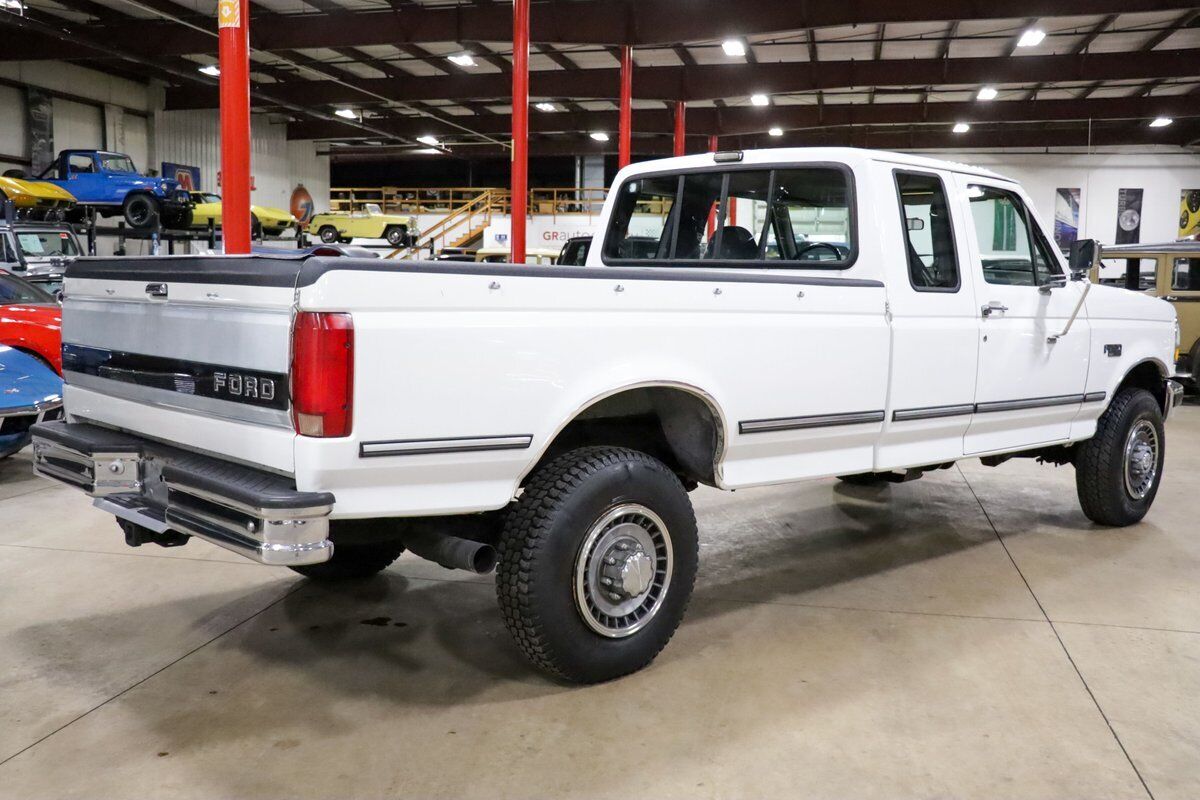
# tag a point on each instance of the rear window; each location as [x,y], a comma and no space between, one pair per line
[14,290]
[786,218]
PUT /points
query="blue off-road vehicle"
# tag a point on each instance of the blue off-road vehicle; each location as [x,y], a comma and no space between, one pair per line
[109,183]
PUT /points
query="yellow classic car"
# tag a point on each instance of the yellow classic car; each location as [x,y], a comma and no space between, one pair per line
[370,223]
[36,199]
[264,220]
[1170,271]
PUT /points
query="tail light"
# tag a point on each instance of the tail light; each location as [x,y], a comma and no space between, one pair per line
[323,374]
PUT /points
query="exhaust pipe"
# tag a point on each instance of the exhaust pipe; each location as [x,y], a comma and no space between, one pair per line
[450,551]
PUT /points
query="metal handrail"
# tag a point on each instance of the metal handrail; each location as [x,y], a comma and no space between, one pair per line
[571,201]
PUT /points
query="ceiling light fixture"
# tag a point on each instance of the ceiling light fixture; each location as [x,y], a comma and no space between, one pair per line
[776,131]
[462,59]
[211,69]
[759,100]
[734,47]
[546,107]
[987,93]
[961,127]
[599,136]
[1031,38]
[347,113]
[1161,122]
[429,140]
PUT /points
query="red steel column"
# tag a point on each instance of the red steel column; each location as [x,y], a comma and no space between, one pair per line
[233,23]
[520,128]
[626,124]
[680,127]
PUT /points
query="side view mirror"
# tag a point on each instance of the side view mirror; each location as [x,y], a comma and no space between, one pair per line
[1085,254]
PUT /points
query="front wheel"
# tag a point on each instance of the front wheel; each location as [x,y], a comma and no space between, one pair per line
[1117,471]
[396,235]
[328,234]
[597,562]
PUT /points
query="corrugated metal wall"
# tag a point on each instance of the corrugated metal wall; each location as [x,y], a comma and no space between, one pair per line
[278,166]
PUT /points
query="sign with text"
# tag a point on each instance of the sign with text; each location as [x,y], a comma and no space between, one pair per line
[229,14]
[1129,216]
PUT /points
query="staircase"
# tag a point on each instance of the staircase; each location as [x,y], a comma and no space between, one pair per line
[460,227]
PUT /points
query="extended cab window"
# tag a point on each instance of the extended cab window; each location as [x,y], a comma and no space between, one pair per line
[932,263]
[1013,251]
[1185,275]
[798,218]
[78,162]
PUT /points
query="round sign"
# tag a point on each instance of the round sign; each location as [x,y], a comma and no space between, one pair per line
[302,206]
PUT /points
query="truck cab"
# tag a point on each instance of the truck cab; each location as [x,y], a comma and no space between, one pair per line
[109,183]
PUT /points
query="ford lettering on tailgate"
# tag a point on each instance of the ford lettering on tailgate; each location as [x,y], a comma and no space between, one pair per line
[264,389]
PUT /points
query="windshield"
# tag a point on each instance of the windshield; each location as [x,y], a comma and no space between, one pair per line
[14,290]
[116,163]
[47,244]
[205,197]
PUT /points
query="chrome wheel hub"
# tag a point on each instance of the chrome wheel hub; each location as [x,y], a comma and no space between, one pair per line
[623,570]
[1141,459]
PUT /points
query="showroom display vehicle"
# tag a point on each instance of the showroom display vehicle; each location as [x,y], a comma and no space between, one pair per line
[110,184]
[30,320]
[368,223]
[30,392]
[873,317]
[38,251]
[1170,271]
[206,210]
[35,200]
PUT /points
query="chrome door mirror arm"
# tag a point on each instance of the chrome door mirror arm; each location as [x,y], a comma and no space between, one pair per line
[1087,287]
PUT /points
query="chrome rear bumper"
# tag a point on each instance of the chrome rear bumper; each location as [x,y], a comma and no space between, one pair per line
[256,514]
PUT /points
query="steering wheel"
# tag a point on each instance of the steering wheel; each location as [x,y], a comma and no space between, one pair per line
[837,254]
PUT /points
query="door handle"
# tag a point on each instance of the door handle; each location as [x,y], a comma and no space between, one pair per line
[994,307]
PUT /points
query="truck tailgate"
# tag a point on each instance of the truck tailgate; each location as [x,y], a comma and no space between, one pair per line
[181,350]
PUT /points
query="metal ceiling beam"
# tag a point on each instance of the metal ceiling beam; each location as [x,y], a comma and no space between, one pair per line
[904,139]
[605,22]
[746,120]
[724,81]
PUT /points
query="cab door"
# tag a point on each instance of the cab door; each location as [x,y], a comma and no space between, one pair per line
[84,179]
[1031,380]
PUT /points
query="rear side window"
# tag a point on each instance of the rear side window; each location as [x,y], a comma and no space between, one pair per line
[1185,275]
[925,215]
[760,217]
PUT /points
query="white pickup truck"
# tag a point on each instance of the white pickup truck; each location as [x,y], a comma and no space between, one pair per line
[805,314]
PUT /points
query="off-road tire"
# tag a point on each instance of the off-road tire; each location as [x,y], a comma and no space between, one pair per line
[328,234]
[1100,461]
[539,546]
[352,561]
[396,235]
[179,221]
[141,210]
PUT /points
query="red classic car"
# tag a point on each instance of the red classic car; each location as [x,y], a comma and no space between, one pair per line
[30,320]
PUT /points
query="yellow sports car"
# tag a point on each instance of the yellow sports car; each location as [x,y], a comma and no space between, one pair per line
[36,199]
[370,223]
[271,221]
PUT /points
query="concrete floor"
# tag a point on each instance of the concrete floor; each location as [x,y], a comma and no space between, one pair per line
[966,635]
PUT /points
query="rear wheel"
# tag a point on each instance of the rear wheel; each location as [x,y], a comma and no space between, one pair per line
[1117,471]
[328,234]
[353,561]
[140,210]
[597,562]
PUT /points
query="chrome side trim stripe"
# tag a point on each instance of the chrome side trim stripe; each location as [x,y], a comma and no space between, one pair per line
[817,421]
[1095,397]
[1032,402]
[420,447]
[933,412]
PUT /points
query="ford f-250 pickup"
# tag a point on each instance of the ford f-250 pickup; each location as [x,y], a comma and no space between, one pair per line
[867,315]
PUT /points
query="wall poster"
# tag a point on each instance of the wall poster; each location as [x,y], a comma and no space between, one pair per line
[188,177]
[1129,216]
[1189,214]
[1066,218]
[40,118]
